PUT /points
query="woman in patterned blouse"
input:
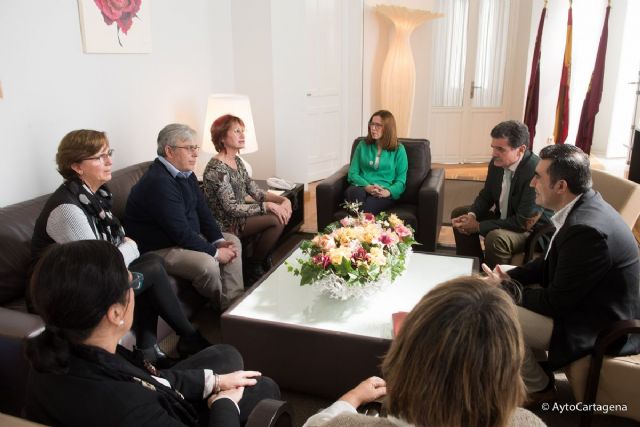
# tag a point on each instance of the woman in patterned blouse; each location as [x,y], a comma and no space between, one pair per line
[239,206]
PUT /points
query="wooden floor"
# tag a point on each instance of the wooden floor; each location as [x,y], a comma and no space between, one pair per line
[467,171]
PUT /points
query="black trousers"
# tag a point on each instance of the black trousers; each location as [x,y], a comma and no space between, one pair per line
[156,298]
[224,359]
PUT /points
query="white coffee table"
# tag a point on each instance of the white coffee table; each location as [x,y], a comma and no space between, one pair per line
[309,342]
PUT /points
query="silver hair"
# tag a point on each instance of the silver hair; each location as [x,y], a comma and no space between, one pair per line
[173,133]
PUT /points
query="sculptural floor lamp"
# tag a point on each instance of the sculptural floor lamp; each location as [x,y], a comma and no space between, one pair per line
[398,82]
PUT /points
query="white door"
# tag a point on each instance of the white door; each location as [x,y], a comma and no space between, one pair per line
[470,77]
[323,105]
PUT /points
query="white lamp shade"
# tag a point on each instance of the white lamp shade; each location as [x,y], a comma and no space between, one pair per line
[234,104]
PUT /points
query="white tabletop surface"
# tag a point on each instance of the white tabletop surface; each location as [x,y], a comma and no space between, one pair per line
[280,298]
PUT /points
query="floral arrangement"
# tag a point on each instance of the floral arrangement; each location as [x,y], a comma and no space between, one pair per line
[356,255]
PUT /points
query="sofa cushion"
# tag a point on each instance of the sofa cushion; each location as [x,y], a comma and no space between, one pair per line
[16,228]
[120,185]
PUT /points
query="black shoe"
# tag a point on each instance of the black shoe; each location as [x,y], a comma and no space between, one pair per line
[155,356]
[191,344]
[267,263]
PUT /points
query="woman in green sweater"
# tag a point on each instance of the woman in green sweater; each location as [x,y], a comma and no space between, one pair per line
[378,171]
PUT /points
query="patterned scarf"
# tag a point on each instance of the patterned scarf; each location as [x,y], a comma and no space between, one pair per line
[98,207]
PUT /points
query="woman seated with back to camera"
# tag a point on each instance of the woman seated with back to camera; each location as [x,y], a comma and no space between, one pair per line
[226,187]
[378,170]
[80,209]
[455,363]
[82,377]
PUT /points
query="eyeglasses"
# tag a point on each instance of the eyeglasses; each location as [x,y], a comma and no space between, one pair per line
[191,148]
[137,279]
[102,157]
[238,131]
[375,125]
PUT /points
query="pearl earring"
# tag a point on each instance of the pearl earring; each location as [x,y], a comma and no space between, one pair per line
[121,323]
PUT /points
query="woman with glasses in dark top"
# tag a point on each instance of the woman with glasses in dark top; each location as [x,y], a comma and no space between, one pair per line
[378,171]
[81,376]
[80,209]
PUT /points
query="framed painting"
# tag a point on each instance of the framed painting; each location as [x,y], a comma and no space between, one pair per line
[115,26]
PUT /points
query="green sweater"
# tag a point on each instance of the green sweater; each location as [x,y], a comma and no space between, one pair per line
[391,173]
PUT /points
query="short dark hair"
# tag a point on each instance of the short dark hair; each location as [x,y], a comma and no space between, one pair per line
[516,133]
[72,288]
[570,164]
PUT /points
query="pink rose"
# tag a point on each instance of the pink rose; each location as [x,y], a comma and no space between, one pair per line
[402,231]
[368,217]
[359,254]
[322,260]
[120,11]
[388,238]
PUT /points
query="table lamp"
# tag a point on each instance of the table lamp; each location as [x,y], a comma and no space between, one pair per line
[237,105]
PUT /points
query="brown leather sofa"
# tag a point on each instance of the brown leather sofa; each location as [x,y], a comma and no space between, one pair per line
[421,204]
[16,228]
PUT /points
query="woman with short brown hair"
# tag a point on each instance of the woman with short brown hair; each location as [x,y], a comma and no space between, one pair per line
[455,363]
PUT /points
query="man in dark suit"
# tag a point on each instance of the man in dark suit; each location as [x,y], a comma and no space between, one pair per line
[166,213]
[588,278]
[507,192]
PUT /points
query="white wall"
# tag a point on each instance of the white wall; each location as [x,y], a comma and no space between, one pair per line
[51,87]
[612,133]
[252,51]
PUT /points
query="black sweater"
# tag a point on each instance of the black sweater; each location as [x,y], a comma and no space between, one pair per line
[163,211]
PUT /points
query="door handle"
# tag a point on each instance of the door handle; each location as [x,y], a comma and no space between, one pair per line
[474,87]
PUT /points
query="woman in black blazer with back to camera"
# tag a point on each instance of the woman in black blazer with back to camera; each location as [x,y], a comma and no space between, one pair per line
[81,376]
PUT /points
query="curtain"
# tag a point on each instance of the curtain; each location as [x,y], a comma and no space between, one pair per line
[450,47]
[491,52]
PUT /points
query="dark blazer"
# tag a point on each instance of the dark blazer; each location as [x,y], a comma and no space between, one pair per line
[522,198]
[589,280]
[163,211]
[104,389]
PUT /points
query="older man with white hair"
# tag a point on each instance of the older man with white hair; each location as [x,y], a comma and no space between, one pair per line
[166,213]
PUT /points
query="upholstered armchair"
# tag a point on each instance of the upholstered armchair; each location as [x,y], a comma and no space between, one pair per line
[420,206]
[608,380]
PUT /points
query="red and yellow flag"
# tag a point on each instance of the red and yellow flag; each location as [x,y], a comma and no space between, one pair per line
[591,103]
[561,128]
[533,92]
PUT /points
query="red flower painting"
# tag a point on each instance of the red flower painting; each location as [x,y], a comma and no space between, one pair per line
[121,12]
